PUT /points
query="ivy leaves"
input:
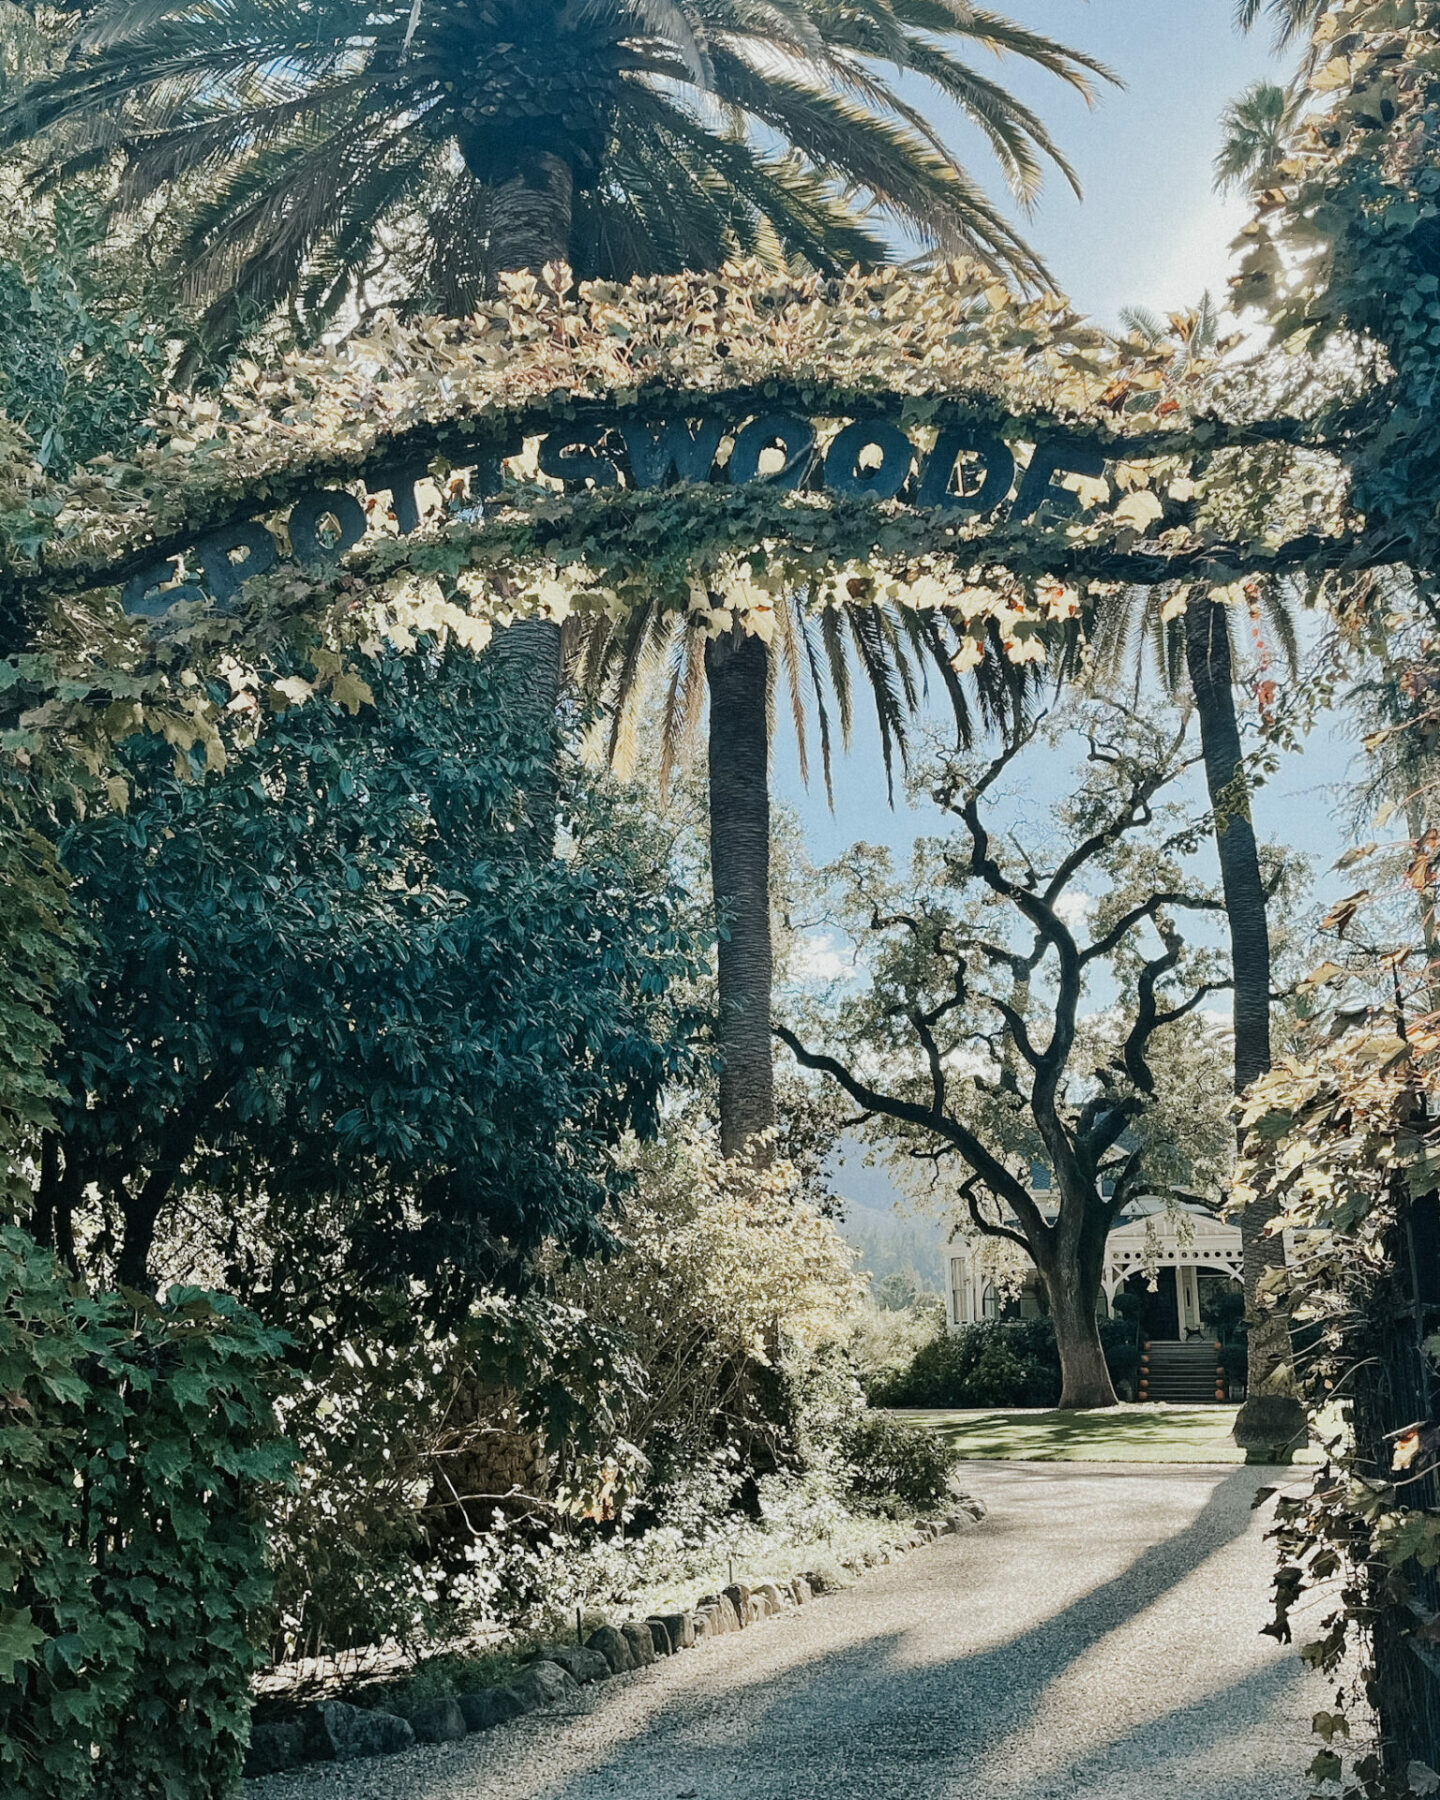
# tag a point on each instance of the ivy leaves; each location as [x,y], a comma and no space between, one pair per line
[133,1441]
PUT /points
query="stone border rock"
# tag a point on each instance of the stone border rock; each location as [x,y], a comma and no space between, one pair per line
[332,1731]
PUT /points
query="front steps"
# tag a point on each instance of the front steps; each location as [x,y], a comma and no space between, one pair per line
[1182,1374]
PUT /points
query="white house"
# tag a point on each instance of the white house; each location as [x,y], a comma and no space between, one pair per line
[1177,1260]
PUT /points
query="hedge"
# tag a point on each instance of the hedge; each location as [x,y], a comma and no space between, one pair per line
[999,1364]
[133,1440]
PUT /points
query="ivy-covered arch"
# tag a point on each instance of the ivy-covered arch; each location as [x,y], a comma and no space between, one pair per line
[934,433]
[710,445]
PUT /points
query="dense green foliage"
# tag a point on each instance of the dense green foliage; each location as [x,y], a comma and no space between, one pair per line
[79,368]
[444,1472]
[38,956]
[133,1441]
[999,1363]
[341,986]
[1353,253]
[390,1424]
[902,1466]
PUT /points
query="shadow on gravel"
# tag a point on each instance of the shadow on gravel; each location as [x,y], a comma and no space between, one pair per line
[864,1721]
[1165,1750]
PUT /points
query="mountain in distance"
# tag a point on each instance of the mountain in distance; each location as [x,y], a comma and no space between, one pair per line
[890,1242]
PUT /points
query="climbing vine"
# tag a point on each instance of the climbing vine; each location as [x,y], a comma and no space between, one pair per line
[1346,1143]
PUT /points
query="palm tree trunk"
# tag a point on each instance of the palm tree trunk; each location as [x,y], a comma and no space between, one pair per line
[530,217]
[738,673]
[525,222]
[1212,681]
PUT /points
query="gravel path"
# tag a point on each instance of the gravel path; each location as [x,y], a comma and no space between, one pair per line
[1095,1639]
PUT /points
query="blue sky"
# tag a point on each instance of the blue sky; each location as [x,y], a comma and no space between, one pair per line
[1150,229]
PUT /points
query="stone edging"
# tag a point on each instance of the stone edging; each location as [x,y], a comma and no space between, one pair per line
[333,1731]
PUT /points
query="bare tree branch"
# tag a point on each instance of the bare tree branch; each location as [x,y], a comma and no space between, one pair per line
[988,1227]
[1147,909]
[985,1164]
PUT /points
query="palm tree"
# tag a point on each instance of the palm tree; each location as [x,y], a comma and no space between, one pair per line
[1292,19]
[1197,647]
[307,154]
[1257,131]
[423,146]
[818,649]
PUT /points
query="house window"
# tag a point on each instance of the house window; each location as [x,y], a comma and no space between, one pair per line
[990,1302]
[959,1292]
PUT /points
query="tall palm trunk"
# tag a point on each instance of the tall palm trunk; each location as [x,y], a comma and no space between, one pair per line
[527,221]
[528,216]
[737,671]
[1212,681]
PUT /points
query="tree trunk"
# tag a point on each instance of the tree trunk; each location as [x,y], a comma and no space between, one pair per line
[1212,681]
[525,222]
[1072,1287]
[528,653]
[527,217]
[737,670]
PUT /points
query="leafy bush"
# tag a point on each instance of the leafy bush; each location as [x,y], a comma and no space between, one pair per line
[706,1335]
[529,1589]
[883,1342]
[337,986]
[133,1437]
[731,1282]
[1010,1364]
[903,1465]
[391,1423]
[78,368]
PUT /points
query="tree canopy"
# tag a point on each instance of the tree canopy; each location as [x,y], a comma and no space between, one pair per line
[967,1044]
[334,987]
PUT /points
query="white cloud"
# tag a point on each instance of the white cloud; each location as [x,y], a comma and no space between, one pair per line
[1074,907]
[820,958]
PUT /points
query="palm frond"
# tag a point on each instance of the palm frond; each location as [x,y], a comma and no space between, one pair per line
[832,638]
[702,129]
[808,633]
[1292,18]
[1256,134]
[1003,36]
[789,641]
[917,188]
[663,19]
[879,669]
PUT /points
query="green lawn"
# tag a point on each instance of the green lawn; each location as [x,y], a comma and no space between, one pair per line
[1134,1434]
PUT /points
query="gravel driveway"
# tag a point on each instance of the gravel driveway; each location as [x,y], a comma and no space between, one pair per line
[1095,1638]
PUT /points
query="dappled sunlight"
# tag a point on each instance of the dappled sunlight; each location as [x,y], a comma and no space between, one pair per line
[1154,1433]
